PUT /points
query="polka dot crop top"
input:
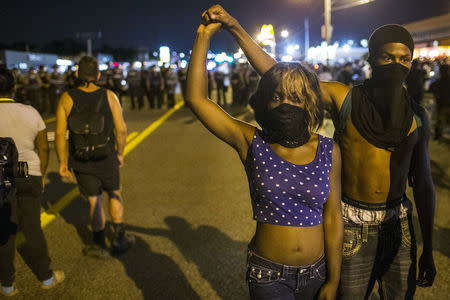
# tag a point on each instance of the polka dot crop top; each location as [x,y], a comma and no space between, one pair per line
[284,193]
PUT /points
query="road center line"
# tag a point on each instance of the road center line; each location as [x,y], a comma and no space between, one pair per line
[50,120]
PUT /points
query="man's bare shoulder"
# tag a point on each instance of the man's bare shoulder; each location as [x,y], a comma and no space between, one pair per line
[66,103]
[66,98]
[334,92]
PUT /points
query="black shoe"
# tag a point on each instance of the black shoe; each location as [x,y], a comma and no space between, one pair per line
[122,243]
[95,251]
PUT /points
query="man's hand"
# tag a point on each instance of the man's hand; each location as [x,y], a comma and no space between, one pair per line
[209,30]
[327,292]
[65,173]
[120,159]
[427,270]
[218,14]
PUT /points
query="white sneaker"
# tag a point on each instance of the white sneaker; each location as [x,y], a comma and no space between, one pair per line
[8,291]
[58,277]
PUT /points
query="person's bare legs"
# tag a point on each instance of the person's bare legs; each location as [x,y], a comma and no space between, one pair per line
[116,207]
[97,215]
[120,242]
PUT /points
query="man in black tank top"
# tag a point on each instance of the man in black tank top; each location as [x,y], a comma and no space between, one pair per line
[94,175]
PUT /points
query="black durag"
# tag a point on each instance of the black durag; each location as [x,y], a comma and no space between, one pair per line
[381,108]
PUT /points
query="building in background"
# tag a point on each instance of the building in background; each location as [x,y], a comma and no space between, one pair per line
[25,60]
[431,36]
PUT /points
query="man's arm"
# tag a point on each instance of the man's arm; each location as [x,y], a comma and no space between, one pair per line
[42,149]
[62,112]
[119,125]
[425,199]
[334,93]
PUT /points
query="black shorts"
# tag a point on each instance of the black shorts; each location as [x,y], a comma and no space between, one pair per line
[93,184]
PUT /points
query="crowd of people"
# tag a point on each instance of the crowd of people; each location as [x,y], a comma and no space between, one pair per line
[42,88]
[152,86]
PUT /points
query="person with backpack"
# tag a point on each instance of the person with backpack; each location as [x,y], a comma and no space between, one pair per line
[97,138]
[384,138]
[25,126]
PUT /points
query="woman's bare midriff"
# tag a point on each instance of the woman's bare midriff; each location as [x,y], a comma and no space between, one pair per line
[288,245]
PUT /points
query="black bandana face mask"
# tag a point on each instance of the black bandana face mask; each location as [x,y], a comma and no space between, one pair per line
[390,75]
[381,111]
[387,92]
[286,125]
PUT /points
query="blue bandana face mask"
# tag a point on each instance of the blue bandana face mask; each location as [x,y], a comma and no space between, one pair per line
[286,125]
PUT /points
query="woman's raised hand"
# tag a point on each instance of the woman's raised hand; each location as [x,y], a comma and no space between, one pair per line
[217,14]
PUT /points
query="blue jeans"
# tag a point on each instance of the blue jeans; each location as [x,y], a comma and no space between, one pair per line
[378,250]
[270,280]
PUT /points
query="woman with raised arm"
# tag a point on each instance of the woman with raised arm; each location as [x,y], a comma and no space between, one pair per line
[293,175]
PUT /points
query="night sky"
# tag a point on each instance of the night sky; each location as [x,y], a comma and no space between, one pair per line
[151,23]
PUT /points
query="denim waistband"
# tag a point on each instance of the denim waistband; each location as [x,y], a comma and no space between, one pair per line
[252,257]
[374,206]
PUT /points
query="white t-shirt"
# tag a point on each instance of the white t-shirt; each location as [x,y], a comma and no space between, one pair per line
[22,123]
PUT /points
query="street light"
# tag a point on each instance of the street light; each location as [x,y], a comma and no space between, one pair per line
[343,4]
[290,49]
[364,43]
[335,5]
[284,33]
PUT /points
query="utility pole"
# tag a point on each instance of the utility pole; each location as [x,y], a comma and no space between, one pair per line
[89,38]
[306,36]
[89,46]
[327,29]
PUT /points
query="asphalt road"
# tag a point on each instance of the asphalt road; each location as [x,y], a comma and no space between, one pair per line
[187,202]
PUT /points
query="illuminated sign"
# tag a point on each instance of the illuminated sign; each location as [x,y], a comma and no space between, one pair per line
[164,54]
[267,35]
[34,57]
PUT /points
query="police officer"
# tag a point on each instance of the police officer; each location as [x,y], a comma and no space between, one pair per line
[135,88]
